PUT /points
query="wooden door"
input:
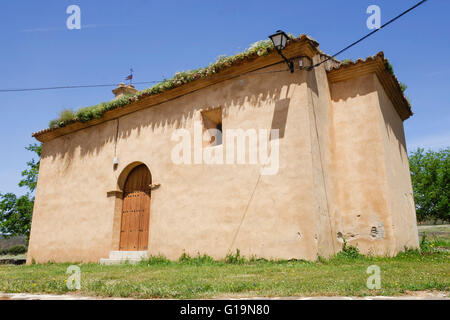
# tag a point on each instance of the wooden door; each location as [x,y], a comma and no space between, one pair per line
[136,210]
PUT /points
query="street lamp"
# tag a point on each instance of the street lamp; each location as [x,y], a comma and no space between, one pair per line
[279,40]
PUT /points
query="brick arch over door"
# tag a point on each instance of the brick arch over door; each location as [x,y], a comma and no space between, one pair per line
[135,221]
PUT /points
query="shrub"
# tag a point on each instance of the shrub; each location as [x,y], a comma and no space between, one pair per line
[184,258]
[349,251]
[403,86]
[15,250]
[234,258]
[66,115]
[389,67]
[425,245]
[197,260]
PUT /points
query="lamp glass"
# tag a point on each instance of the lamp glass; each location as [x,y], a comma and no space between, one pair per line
[276,39]
[279,40]
[283,40]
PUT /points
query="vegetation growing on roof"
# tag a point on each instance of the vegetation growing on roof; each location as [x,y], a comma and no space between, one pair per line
[85,114]
[260,48]
[403,86]
[346,61]
[389,67]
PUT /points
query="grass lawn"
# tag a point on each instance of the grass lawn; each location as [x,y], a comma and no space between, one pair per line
[201,277]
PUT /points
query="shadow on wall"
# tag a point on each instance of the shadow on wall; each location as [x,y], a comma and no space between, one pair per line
[394,126]
[234,93]
[363,86]
[280,116]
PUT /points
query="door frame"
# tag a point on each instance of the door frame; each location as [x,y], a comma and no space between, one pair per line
[116,203]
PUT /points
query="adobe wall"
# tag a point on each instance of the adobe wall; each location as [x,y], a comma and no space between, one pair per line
[369,170]
[72,217]
[343,174]
[210,209]
[400,193]
[321,124]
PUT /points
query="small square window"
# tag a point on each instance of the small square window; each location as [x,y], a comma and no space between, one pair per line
[212,119]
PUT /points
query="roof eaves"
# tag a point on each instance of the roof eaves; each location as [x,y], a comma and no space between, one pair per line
[303,44]
[374,64]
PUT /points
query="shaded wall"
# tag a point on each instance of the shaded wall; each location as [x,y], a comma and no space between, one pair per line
[321,125]
[72,217]
[400,193]
[369,170]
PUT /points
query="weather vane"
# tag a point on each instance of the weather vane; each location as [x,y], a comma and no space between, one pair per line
[130,77]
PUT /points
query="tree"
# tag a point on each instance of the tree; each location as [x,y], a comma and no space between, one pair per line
[16,212]
[430,176]
[30,175]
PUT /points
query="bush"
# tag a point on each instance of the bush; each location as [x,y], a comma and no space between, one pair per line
[403,86]
[234,258]
[425,245]
[15,250]
[349,251]
[346,61]
[389,67]
[197,260]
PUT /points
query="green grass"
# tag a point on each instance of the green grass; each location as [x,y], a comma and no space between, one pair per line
[202,277]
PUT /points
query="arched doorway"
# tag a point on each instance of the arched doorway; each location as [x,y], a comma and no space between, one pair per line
[136,210]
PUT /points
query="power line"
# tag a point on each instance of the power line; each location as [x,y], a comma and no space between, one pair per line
[71,87]
[114,85]
[371,33]
[159,81]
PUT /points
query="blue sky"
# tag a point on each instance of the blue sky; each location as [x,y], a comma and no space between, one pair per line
[159,38]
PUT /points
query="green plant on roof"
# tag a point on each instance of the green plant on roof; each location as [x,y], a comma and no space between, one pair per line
[85,114]
[403,86]
[389,67]
[346,61]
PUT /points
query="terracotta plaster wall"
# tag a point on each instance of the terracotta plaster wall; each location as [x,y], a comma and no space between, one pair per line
[358,167]
[72,216]
[321,117]
[198,208]
[400,193]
